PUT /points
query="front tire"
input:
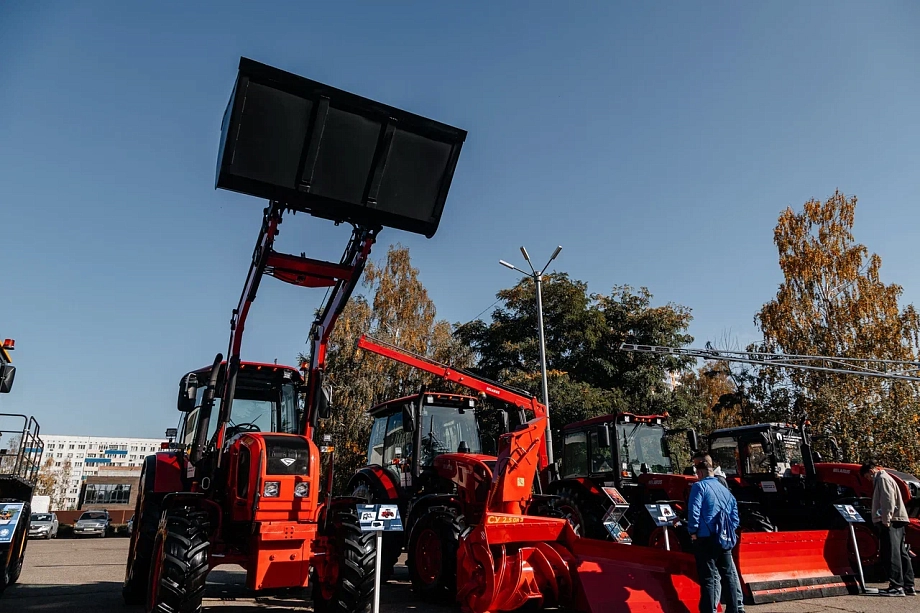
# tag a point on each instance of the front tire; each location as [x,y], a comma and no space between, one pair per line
[584,512]
[140,552]
[432,560]
[349,588]
[179,567]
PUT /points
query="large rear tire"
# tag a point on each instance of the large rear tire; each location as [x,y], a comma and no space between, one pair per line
[432,554]
[350,586]
[179,567]
[146,523]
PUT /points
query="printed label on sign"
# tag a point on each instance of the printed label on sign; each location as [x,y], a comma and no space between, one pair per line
[379,517]
[10,512]
[662,514]
[768,486]
[521,482]
[849,513]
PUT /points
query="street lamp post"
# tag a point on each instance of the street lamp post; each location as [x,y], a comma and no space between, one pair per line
[538,280]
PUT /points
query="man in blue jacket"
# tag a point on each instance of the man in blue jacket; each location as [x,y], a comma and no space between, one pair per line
[714,564]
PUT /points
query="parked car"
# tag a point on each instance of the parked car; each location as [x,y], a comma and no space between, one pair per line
[92,522]
[43,526]
[131,526]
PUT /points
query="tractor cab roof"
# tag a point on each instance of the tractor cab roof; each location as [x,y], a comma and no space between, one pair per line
[438,398]
[255,370]
[753,428]
[619,418]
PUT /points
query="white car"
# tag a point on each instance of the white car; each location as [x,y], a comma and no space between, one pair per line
[43,526]
[92,523]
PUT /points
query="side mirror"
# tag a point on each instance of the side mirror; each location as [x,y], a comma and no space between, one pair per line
[188,391]
[506,421]
[7,374]
[603,437]
[408,418]
[324,401]
[693,440]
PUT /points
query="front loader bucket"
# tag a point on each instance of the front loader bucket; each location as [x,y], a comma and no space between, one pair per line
[777,566]
[512,560]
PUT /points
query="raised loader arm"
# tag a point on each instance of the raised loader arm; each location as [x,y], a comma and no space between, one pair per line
[492,389]
[305,272]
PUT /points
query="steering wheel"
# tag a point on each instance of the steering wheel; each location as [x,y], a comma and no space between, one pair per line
[245,427]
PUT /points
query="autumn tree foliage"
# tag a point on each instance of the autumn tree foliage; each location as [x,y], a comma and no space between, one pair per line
[53,481]
[394,307]
[832,302]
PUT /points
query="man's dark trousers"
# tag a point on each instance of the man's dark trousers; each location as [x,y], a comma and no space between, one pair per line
[895,556]
[713,564]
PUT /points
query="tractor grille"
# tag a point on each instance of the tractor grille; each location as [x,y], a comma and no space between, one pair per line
[287,455]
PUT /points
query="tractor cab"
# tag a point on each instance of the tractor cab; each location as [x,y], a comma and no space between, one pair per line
[616,448]
[265,400]
[759,453]
[409,434]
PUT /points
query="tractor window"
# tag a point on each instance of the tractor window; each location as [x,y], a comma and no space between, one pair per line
[724,453]
[375,447]
[640,443]
[601,457]
[446,430]
[395,441]
[287,418]
[575,455]
[755,460]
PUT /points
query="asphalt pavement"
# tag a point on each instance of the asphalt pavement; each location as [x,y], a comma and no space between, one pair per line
[67,575]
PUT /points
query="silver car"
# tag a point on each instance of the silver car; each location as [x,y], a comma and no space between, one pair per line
[92,523]
[43,526]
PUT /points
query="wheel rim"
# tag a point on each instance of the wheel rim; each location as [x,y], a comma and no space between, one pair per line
[573,516]
[868,546]
[154,587]
[428,556]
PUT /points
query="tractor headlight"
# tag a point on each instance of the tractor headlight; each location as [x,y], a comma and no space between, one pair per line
[302,489]
[271,489]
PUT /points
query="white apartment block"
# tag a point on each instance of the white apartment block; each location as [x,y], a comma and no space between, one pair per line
[87,454]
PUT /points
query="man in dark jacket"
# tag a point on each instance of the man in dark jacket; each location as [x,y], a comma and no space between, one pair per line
[714,564]
[890,517]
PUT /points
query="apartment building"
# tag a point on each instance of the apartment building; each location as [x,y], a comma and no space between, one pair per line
[87,455]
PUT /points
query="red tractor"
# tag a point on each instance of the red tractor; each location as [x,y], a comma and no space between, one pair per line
[629,452]
[242,485]
[429,454]
[477,525]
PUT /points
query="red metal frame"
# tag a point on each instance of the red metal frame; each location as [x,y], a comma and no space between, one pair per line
[303,272]
[465,378]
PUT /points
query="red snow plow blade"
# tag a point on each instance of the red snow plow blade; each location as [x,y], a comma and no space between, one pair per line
[778,566]
[514,560]
[509,559]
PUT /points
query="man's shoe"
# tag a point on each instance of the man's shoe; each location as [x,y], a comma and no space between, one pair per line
[891,591]
[909,591]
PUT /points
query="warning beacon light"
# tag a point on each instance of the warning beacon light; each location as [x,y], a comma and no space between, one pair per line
[333,154]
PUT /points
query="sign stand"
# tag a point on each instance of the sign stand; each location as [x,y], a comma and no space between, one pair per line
[379,518]
[664,517]
[614,520]
[852,516]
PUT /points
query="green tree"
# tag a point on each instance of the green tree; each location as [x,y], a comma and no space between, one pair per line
[588,374]
[395,308]
[832,302]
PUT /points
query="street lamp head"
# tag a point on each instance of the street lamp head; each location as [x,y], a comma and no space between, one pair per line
[507,265]
[555,253]
[524,252]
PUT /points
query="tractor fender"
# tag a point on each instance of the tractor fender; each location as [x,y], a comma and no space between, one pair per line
[166,469]
[381,481]
[582,485]
[429,503]
[199,500]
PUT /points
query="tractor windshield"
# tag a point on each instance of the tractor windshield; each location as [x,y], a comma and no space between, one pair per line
[447,430]
[255,409]
[724,453]
[641,443]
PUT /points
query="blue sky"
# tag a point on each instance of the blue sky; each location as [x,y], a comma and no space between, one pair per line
[656,142]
